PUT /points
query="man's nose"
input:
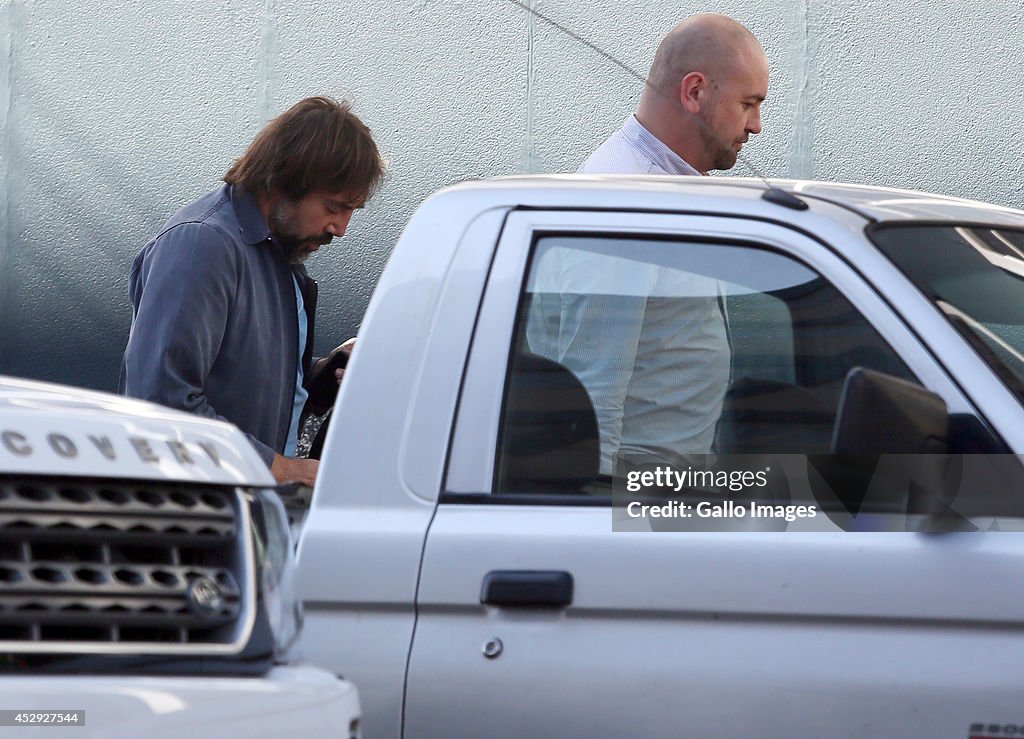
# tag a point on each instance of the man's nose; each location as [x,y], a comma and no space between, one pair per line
[754,122]
[339,224]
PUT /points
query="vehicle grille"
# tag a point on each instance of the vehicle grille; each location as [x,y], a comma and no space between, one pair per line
[86,564]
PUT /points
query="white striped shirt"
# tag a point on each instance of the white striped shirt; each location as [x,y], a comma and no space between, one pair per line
[649,343]
[635,150]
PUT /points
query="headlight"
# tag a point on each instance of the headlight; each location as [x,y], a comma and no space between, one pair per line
[296,498]
[275,570]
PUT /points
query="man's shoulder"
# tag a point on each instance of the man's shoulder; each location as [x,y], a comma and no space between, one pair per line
[617,156]
[202,236]
[211,217]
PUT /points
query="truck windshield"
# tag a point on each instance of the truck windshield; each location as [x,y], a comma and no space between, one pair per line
[975,275]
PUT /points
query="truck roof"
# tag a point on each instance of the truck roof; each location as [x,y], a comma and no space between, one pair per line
[721,194]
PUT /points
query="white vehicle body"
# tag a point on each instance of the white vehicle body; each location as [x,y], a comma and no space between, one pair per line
[729,633]
[111,511]
[285,701]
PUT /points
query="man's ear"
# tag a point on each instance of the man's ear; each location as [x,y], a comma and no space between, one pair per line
[693,89]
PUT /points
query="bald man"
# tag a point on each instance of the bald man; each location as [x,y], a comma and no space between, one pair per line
[701,103]
[649,339]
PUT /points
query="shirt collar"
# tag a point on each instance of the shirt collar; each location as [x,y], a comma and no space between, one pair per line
[655,150]
[251,225]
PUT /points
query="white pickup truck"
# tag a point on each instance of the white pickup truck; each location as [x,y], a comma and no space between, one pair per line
[462,561]
[146,578]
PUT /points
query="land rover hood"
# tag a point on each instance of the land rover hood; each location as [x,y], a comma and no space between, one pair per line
[57,430]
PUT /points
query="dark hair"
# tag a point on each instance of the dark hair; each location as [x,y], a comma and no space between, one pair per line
[317,145]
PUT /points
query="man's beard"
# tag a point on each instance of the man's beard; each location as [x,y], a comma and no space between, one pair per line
[296,246]
[722,155]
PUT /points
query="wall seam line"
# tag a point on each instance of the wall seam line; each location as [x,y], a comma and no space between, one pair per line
[528,154]
[265,68]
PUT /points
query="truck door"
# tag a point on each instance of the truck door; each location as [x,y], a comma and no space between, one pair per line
[541,612]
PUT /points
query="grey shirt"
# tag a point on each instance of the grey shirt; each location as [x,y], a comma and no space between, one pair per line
[214,319]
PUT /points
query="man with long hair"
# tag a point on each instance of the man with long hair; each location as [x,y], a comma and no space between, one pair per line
[222,306]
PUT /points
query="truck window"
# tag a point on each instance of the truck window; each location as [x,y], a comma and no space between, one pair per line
[671,349]
[975,276]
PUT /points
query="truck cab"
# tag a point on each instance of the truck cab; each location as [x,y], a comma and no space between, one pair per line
[464,560]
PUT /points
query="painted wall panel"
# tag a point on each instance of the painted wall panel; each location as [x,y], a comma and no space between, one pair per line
[114,114]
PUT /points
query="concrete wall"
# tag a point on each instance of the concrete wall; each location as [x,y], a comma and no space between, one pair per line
[113,114]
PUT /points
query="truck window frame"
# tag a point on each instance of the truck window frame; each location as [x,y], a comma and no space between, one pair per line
[471,466]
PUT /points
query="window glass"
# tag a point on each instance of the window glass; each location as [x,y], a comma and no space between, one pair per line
[975,276]
[672,350]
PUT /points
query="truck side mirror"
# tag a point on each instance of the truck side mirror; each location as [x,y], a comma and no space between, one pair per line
[882,414]
[891,443]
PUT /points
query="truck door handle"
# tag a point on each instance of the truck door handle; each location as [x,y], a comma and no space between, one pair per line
[527,589]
